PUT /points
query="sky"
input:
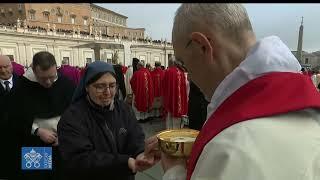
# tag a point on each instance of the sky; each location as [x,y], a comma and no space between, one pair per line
[282,20]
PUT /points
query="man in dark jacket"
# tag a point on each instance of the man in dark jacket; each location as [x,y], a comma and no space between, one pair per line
[8,84]
[120,81]
[38,103]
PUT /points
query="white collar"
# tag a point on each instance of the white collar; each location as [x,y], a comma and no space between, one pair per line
[269,54]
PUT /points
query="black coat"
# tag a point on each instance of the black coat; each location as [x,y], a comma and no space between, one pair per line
[5,100]
[197,107]
[96,143]
[120,80]
[29,101]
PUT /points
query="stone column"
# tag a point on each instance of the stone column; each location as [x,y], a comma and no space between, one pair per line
[22,54]
[50,48]
[97,50]
[29,54]
[148,57]
[127,52]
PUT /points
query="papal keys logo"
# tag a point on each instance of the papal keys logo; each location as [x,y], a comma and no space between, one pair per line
[36,158]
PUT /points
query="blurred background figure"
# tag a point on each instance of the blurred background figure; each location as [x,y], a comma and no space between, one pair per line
[157,78]
[70,72]
[174,95]
[142,88]
[18,69]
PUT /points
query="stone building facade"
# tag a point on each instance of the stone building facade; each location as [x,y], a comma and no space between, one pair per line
[84,17]
[22,43]
[311,60]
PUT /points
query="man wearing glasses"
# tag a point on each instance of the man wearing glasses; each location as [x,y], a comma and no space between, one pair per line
[258,126]
[38,104]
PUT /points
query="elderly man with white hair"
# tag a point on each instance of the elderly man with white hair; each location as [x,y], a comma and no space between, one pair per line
[258,127]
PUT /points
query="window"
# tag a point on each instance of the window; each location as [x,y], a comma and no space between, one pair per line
[11,57]
[66,59]
[88,60]
[142,58]
[19,7]
[72,20]
[10,11]
[85,22]
[46,16]
[59,19]
[32,16]
[307,61]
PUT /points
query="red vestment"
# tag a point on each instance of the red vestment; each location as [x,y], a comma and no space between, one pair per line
[124,69]
[174,91]
[157,77]
[142,88]
[262,97]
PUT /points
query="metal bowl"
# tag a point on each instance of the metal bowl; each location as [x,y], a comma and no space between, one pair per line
[177,142]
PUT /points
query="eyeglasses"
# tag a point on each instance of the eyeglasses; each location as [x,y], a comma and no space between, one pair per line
[189,42]
[100,88]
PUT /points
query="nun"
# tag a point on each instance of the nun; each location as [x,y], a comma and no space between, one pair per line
[98,134]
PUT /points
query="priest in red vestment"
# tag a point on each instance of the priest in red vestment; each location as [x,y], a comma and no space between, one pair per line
[259,126]
[157,77]
[142,88]
[174,91]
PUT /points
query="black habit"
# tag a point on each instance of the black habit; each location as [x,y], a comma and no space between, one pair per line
[30,101]
[120,80]
[96,143]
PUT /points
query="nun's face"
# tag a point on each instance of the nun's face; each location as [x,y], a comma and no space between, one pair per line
[103,90]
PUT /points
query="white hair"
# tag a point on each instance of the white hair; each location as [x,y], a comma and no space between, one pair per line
[228,19]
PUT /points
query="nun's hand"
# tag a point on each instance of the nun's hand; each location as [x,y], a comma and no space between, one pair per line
[144,162]
[132,165]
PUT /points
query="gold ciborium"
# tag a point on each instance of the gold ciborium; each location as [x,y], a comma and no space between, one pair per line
[177,142]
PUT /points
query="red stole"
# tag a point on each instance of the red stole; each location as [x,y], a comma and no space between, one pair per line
[157,77]
[268,95]
[174,91]
[142,88]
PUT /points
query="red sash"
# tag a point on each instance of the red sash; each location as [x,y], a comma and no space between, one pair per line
[272,94]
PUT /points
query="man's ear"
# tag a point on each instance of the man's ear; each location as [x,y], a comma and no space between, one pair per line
[204,44]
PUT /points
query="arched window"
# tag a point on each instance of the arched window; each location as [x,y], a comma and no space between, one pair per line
[32,14]
[46,14]
[73,18]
